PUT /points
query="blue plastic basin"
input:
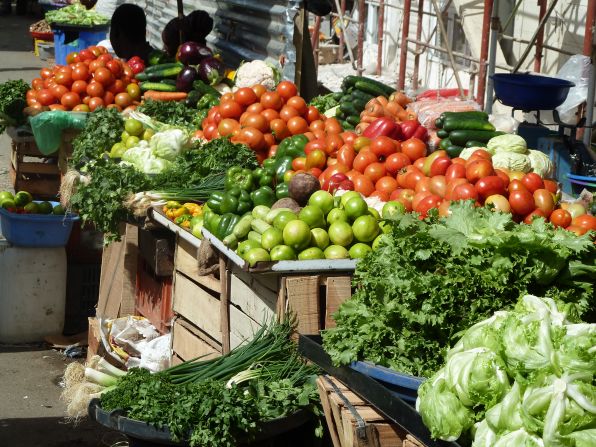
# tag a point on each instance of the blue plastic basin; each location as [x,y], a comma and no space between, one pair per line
[530,92]
[403,385]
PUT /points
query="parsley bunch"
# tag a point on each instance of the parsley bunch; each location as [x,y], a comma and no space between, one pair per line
[12,103]
[103,129]
[174,113]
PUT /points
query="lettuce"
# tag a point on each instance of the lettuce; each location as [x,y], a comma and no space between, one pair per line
[512,161]
[519,438]
[505,416]
[482,334]
[142,158]
[507,143]
[541,164]
[169,143]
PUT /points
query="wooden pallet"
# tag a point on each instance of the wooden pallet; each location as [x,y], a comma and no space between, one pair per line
[352,422]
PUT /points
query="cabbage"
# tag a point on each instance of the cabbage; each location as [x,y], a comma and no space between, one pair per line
[507,143]
[557,312]
[541,164]
[484,435]
[519,438]
[577,349]
[478,377]
[582,438]
[142,158]
[505,416]
[468,151]
[512,161]
[168,143]
[483,334]
[441,410]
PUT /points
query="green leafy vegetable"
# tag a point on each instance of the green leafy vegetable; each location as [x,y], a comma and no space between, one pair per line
[102,130]
[12,103]
[324,102]
[76,14]
[171,112]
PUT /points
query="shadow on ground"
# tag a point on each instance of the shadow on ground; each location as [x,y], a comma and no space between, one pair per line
[17,27]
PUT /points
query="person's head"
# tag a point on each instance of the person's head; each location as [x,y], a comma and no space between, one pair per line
[195,27]
[128,30]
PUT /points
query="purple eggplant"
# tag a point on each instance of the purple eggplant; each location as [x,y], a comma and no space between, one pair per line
[189,53]
[211,70]
[185,78]
[205,52]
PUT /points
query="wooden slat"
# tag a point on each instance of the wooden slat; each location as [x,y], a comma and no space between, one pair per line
[32,167]
[41,188]
[242,327]
[258,303]
[303,300]
[185,261]
[339,289]
[129,278]
[110,282]
[324,395]
[188,342]
[224,308]
[157,250]
[197,305]
[259,282]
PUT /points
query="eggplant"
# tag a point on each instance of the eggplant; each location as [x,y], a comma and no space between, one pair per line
[204,51]
[185,78]
[189,53]
[211,71]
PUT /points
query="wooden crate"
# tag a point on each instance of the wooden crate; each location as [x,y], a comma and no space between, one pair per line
[354,423]
[189,342]
[153,297]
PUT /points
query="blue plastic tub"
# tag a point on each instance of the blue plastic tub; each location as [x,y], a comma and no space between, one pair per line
[530,92]
[36,230]
[69,39]
[403,385]
[581,182]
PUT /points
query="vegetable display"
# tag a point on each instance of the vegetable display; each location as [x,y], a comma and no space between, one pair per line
[76,14]
[22,203]
[521,377]
[428,280]
[12,102]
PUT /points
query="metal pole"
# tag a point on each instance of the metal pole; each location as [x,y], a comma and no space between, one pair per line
[418,48]
[180,6]
[343,28]
[380,31]
[495,25]
[445,38]
[314,40]
[533,39]
[403,56]
[539,38]
[588,51]
[361,14]
[488,10]
[589,32]
[342,12]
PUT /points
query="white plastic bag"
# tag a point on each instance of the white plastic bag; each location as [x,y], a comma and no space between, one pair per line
[576,70]
[504,123]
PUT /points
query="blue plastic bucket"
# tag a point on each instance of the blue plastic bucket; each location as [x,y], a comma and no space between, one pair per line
[69,39]
[580,182]
[530,92]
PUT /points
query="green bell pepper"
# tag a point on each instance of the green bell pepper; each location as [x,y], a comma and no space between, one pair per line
[226,225]
[283,165]
[214,202]
[211,221]
[296,146]
[207,101]
[263,196]
[239,177]
[236,200]
[282,191]
[269,163]
[282,148]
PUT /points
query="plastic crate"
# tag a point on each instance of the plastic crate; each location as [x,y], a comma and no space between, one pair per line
[36,230]
[403,385]
[69,39]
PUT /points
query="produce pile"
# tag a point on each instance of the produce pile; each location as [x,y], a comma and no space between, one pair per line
[521,377]
[75,14]
[22,203]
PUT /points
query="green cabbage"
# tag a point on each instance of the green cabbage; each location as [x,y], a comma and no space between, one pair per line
[169,143]
[512,161]
[505,416]
[541,164]
[519,438]
[142,159]
[484,436]
[483,334]
[507,143]
[468,151]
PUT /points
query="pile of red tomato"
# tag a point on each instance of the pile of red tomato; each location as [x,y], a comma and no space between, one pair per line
[92,78]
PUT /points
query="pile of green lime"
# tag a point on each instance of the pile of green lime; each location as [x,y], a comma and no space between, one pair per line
[22,202]
[133,133]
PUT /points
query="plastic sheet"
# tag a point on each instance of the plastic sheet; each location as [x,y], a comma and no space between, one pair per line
[576,70]
[48,126]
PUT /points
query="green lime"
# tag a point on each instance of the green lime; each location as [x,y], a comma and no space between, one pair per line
[6,195]
[132,142]
[148,134]
[118,150]
[59,210]
[22,198]
[7,204]
[124,136]
[133,127]
[32,208]
[45,208]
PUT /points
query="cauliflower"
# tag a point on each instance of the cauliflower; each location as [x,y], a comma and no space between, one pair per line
[512,161]
[256,72]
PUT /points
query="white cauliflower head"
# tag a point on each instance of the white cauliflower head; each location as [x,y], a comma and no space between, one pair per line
[256,72]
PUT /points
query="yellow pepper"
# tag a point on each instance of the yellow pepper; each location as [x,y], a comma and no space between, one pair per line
[192,207]
[180,211]
[170,213]
[185,224]
[231,75]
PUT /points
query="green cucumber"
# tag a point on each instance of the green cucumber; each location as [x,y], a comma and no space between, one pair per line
[161,67]
[169,81]
[445,143]
[450,124]
[372,89]
[358,94]
[205,88]
[348,108]
[359,104]
[453,150]
[346,125]
[474,114]
[461,137]
[157,86]
[352,81]
[442,133]
[337,96]
[439,123]
[353,120]
[473,143]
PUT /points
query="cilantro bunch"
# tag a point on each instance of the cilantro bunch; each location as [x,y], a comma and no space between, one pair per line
[174,113]
[431,280]
[12,103]
[103,129]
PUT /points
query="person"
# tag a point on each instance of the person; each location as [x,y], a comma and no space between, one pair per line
[128,32]
[195,28]
[6,8]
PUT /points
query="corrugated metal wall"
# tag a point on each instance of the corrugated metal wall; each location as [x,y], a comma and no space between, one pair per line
[243,29]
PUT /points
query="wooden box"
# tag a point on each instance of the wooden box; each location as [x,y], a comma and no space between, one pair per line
[153,297]
[189,342]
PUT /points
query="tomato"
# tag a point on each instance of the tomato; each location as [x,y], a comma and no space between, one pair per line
[516,185]
[279,129]
[423,185]
[63,78]
[427,203]
[257,121]
[86,99]
[381,195]
[488,186]
[45,97]
[31,94]
[452,184]
[576,209]
[551,185]
[227,126]
[362,142]
[81,108]
[288,112]
[386,184]
[348,137]
[579,231]
[444,210]
[259,89]
[522,202]
[536,213]
[95,50]
[478,169]
[37,84]
[95,102]
[532,182]
[312,114]
[346,156]
[58,107]
[383,146]
[299,163]
[456,170]
[515,175]
[70,100]
[412,179]
[418,198]
[117,87]
[498,202]
[286,89]
[272,152]
[317,125]
[270,114]
[79,87]
[316,159]
[257,107]
[252,137]
[503,176]
[364,185]
[395,162]
[271,100]
[481,154]
[103,76]
[465,191]
[58,91]
[269,139]
[45,73]
[363,159]
[334,142]
[419,164]
[299,104]
[333,126]
[210,131]
[375,171]
[585,221]
[310,136]
[439,166]
[123,100]
[95,89]
[245,96]
[230,109]
[297,125]
[114,66]
[543,199]
[438,185]
[414,148]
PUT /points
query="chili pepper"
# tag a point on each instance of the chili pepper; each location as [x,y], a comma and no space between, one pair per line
[185,218]
[282,191]
[383,127]
[263,196]
[226,225]
[413,129]
[181,211]
[239,177]
[215,200]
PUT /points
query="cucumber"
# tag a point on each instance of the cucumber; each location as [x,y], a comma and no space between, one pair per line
[348,108]
[439,123]
[169,82]
[359,104]
[353,120]
[351,81]
[473,143]
[466,124]
[231,241]
[157,86]
[254,236]
[442,133]
[445,143]
[259,225]
[205,88]
[478,115]
[453,150]
[243,227]
[358,94]
[370,88]
[346,125]
[161,67]
[337,96]
[461,137]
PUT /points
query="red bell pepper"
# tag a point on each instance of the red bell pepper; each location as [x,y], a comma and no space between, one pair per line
[136,64]
[413,129]
[339,181]
[383,127]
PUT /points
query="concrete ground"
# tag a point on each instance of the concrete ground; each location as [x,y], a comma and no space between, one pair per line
[31,414]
